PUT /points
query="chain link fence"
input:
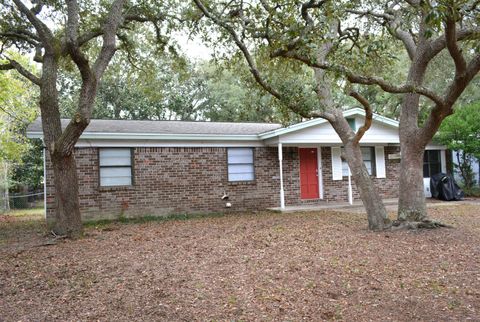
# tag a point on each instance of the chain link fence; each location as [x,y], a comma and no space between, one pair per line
[22,200]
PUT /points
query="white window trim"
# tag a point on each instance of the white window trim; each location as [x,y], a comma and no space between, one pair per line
[115,166]
[252,164]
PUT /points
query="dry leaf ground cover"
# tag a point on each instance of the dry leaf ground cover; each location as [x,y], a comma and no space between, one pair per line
[245,267]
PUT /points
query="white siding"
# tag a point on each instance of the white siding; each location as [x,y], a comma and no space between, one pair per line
[325,134]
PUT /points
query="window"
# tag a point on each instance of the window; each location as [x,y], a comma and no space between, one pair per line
[115,167]
[240,164]
[368,155]
[431,163]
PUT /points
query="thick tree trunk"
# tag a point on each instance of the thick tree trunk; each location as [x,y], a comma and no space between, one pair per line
[411,203]
[376,213]
[67,216]
[67,221]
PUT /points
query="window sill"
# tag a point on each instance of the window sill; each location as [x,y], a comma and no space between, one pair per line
[241,183]
[373,176]
[115,188]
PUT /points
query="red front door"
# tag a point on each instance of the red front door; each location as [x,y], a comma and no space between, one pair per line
[308,173]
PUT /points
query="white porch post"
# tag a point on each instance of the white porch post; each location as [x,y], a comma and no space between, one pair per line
[282,192]
[350,192]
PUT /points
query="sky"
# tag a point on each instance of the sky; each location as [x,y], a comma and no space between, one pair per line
[193,47]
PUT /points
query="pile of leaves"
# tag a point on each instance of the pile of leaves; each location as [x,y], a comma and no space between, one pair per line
[306,266]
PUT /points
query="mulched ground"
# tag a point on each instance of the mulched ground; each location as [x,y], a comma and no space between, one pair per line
[282,267]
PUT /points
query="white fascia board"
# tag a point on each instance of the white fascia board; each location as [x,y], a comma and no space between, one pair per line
[160,143]
[330,140]
[435,147]
[291,128]
[160,137]
[376,117]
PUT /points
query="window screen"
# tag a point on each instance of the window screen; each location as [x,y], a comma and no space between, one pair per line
[115,167]
[240,164]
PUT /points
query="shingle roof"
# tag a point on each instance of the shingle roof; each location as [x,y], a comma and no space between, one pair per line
[168,127]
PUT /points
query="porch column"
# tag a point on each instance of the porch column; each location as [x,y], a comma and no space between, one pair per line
[282,192]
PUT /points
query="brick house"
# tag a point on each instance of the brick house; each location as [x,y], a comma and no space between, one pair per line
[137,168]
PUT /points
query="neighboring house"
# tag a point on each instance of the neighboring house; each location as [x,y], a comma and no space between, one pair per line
[135,168]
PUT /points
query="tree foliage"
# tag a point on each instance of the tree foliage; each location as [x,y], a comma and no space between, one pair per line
[170,86]
[17,110]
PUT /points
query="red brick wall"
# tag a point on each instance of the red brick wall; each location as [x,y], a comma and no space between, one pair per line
[188,180]
[337,190]
[173,180]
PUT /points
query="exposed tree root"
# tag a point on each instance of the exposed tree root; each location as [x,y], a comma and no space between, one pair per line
[415,225]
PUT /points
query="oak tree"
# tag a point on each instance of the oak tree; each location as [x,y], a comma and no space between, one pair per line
[82,35]
[269,29]
[356,41]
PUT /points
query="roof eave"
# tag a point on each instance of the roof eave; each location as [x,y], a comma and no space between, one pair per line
[153,136]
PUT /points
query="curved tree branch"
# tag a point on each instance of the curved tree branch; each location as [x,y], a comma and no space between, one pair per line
[368,80]
[452,46]
[90,76]
[392,21]
[368,117]
[12,64]
[71,42]
[44,33]
[440,43]
[110,28]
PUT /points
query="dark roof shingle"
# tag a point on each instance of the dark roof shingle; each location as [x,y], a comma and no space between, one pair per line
[168,127]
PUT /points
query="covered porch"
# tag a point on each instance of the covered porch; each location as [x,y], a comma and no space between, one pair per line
[391,204]
[355,205]
[311,172]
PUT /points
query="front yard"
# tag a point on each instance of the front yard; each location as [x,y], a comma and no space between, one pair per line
[308,266]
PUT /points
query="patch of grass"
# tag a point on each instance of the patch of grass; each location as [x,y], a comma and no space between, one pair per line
[33,212]
[19,223]
[232,300]
[436,286]
[150,218]
[472,192]
[453,304]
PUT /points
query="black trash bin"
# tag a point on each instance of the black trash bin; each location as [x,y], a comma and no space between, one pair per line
[444,187]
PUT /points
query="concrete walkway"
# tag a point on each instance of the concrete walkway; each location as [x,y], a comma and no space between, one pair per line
[390,204]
